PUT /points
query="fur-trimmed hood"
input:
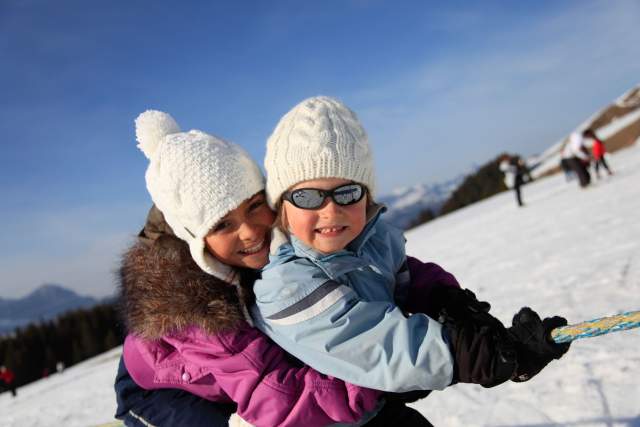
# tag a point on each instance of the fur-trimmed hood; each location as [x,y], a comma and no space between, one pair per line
[163,291]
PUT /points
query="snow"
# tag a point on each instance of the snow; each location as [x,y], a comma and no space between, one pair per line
[618,124]
[569,251]
[82,396]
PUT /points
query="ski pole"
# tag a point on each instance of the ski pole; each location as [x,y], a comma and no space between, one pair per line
[595,327]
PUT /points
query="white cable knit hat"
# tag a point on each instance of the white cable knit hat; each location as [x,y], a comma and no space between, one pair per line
[195,179]
[318,138]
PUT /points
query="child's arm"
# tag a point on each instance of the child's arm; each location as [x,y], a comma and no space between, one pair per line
[268,387]
[369,343]
[417,284]
[432,289]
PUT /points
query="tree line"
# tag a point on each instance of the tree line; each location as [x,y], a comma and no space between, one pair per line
[34,351]
[485,182]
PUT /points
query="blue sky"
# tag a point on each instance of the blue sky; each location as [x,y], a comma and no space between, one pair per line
[439,87]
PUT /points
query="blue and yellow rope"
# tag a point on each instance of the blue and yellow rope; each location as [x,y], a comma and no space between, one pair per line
[593,328]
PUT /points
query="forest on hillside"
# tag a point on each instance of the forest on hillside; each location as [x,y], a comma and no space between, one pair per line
[36,350]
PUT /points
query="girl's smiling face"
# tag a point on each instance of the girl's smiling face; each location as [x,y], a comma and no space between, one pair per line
[329,228]
[242,237]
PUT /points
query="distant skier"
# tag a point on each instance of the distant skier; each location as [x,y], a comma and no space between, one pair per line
[576,156]
[515,171]
[598,152]
[6,380]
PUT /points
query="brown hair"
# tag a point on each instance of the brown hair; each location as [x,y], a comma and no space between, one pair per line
[280,221]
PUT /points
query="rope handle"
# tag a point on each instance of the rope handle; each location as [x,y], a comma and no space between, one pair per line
[595,327]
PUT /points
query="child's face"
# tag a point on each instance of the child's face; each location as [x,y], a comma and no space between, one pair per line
[331,227]
[242,237]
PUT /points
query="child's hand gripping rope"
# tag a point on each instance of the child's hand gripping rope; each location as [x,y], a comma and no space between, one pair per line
[539,342]
[534,346]
[484,350]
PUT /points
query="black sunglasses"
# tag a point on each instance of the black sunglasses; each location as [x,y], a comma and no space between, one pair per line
[313,198]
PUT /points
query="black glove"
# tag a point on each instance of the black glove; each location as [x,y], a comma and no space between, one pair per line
[456,303]
[534,345]
[483,351]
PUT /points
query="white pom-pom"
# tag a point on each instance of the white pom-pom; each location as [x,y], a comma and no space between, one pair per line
[151,128]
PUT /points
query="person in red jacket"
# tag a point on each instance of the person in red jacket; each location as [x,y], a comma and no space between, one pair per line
[6,380]
[598,151]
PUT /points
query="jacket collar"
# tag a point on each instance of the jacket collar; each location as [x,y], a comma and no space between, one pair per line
[163,291]
[338,263]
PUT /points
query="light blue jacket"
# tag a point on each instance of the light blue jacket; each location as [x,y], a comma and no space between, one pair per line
[337,313]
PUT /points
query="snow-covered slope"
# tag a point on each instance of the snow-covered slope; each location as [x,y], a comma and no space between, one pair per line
[81,396]
[569,251]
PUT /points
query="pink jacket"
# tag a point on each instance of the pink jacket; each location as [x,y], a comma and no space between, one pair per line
[189,330]
[244,366]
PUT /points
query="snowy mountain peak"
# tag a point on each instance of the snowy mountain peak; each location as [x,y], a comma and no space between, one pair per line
[407,203]
[51,290]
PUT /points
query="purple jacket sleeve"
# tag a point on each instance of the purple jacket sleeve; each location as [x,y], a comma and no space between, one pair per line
[425,277]
[269,387]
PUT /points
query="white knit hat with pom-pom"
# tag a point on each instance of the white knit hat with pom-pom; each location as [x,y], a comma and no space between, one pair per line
[319,138]
[195,179]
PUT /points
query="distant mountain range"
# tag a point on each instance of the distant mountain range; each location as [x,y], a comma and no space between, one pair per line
[45,303]
[406,204]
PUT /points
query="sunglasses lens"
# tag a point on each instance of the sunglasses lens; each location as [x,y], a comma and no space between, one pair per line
[348,194]
[310,198]
[307,198]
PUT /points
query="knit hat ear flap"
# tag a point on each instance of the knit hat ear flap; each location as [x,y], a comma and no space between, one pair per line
[151,128]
